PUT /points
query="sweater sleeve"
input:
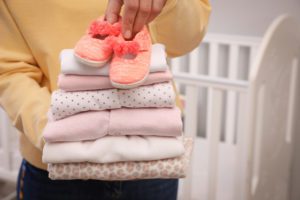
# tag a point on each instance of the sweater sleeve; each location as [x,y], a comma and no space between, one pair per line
[21,93]
[181,25]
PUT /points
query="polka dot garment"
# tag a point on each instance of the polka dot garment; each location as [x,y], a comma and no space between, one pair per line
[65,104]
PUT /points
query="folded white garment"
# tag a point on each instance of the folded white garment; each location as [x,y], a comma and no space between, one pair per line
[69,65]
[64,104]
[114,149]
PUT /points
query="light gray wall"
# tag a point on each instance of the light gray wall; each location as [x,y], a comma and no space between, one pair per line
[252,18]
[248,17]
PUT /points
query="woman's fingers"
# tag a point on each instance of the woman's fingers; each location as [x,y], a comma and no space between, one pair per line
[130,11]
[157,6]
[144,11]
[137,13]
[113,9]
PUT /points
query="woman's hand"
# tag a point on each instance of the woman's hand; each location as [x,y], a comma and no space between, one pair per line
[137,13]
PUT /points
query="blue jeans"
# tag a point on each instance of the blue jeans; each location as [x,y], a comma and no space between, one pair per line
[34,184]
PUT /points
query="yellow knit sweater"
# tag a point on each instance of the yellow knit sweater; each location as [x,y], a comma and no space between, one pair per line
[33,32]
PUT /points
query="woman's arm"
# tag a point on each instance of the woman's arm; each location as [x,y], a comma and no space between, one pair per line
[181,25]
[21,93]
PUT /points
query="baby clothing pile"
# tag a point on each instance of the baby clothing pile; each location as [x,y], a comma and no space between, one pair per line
[96,131]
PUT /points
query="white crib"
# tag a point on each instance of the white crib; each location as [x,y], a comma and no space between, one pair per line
[239,95]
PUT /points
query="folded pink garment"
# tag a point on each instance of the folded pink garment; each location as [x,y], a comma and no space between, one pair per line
[71,83]
[166,168]
[93,125]
[64,104]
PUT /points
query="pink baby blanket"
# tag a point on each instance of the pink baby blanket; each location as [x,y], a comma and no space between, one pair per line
[71,83]
[96,124]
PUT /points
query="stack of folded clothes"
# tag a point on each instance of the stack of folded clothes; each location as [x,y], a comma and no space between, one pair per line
[98,131]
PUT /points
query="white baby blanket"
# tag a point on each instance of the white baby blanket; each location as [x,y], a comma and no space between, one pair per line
[114,149]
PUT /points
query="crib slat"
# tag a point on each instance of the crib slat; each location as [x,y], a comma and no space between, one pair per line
[213,137]
[190,124]
[292,103]
[190,119]
[242,147]
[231,95]
[191,98]
[259,121]
[252,56]
[194,62]
[175,65]
[213,59]
[4,139]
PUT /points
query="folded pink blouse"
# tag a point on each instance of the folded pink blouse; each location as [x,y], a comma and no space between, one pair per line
[96,124]
[82,83]
[165,168]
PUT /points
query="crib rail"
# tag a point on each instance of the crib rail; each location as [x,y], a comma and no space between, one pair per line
[211,82]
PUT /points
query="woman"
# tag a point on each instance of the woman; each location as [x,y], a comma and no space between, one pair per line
[33,32]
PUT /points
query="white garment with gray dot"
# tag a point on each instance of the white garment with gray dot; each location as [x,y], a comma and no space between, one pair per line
[65,104]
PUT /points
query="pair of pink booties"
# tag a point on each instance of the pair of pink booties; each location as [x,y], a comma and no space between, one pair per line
[129,59]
